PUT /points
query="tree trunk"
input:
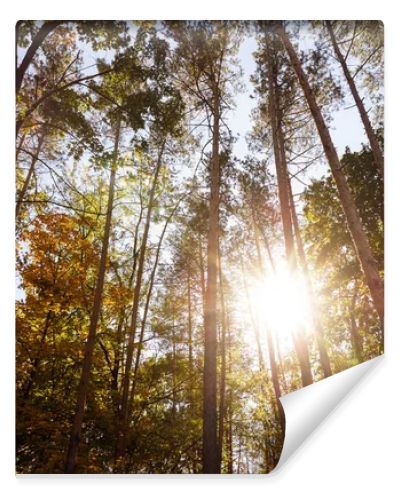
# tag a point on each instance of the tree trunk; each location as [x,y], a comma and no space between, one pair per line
[222,387]
[360,239]
[37,41]
[173,366]
[283,192]
[190,335]
[28,177]
[253,320]
[123,420]
[202,276]
[318,331]
[211,463]
[356,340]
[229,440]
[121,453]
[280,362]
[19,147]
[373,140]
[275,377]
[73,446]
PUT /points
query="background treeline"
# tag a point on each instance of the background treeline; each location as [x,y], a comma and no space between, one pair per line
[142,238]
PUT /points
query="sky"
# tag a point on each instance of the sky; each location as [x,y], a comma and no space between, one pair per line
[346,126]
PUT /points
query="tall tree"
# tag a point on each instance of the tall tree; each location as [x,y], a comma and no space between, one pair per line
[203,51]
[283,189]
[362,245]
[72,453]
[372,137]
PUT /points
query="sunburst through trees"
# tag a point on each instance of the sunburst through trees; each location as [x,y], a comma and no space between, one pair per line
[198,233]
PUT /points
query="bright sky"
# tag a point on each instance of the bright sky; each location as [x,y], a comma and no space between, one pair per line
[346,127]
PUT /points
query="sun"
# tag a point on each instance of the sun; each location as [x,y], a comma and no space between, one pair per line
[281,301]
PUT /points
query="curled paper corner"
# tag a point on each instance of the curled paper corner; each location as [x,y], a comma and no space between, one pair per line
[305,409]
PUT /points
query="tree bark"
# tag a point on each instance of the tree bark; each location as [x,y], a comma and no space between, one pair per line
[210,457]
[73,446]
[373,140]
[359,236]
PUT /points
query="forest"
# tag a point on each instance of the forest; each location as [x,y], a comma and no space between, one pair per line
[199,231]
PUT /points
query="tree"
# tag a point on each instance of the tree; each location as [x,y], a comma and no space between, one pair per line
[359,236]
[203,51]
[373,140]
[72,454]
[46,28]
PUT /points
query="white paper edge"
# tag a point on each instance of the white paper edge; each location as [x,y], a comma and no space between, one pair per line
[305,409]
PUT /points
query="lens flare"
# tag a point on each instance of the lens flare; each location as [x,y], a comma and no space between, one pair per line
[281,302]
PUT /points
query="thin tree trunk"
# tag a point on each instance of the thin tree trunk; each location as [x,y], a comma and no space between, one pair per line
[278,351]
[146,309]
[19,147]
[28,177]
[222,387]
[37,41]
[355,334]
[268,248]
[300,342]
[275,380]
[202,276]
[173,364]
[123,420]
[117,362]
[271,350]
[283,191]
[373,140]
[211,463]
[253,320]
[76,430]
[229,468]
[360,239]
[318,331]
[190,334]
[229,443]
